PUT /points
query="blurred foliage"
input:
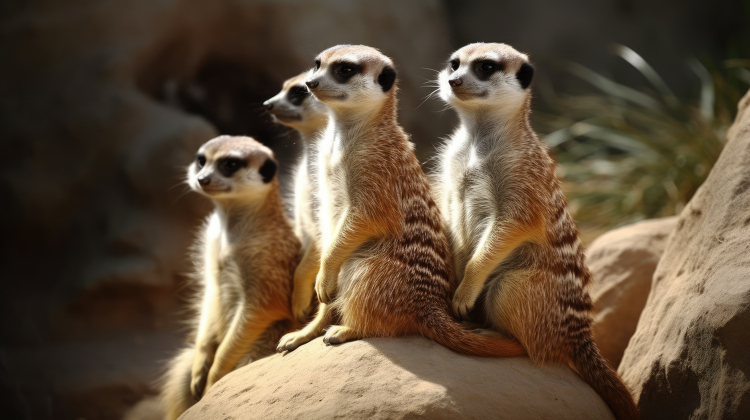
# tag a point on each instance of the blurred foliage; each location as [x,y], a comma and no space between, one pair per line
[628,154]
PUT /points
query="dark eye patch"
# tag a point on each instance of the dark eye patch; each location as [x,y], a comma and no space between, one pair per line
[317,64]
[484,69]
[297,94]
[344,71]
[268,170]
[454,64]
[228,166]
[200,160]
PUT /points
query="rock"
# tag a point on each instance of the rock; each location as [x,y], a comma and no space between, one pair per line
[622,262]
[690,354]
[394,378]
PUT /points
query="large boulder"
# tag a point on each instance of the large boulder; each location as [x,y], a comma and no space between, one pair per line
[396,378]
[690,354]
[622,262]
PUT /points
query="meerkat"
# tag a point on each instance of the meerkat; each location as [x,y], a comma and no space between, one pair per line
[296,108]
[245,258]
[385,260]
[515,244]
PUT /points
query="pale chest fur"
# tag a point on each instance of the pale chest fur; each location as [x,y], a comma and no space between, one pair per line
[305,201]
[333,182]
[470,173]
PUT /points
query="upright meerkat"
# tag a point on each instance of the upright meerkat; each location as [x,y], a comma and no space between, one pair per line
[513,240]
[295,107]
[245,259]
[385,262]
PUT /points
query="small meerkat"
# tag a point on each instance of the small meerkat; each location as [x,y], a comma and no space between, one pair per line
[385,261]
[295,107]
[514,242]
[245,258]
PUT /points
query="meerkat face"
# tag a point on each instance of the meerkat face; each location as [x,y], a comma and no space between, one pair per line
[486,75]
[295,107]
[352,76]
[232,167]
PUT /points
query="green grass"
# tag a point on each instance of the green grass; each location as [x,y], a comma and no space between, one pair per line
[628,154]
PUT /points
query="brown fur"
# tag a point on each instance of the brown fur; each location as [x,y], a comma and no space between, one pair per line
[518,256]
[245,258]
[386,268]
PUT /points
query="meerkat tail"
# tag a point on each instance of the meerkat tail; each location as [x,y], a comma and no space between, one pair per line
[440,326]
[592,367]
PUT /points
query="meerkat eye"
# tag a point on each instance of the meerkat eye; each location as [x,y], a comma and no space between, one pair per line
[485,69]
[454,64]
[317,64]
[229,166]
[200,160]
[342,72]
[297,95]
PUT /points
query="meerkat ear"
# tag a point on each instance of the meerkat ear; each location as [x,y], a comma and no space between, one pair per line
[268,170]
[525,74]
[387,78]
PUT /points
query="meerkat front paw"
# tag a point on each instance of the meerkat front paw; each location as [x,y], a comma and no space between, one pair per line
[464,301]
[325,286]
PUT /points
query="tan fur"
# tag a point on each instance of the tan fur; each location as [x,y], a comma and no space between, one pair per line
[513,239]
[309,117]
[385,265]
[245,258]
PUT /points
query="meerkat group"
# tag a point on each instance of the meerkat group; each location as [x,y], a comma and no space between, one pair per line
[377,251]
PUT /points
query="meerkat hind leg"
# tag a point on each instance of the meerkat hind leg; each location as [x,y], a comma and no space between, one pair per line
[312,330]
[243,332]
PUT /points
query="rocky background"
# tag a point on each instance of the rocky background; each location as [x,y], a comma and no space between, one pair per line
[103,104]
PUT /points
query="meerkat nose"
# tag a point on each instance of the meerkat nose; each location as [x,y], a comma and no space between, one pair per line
[455,82]
[204,180]
[268,105]
[312,84]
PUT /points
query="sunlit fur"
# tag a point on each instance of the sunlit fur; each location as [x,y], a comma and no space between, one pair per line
[244,259]
[385,263]
[309,117]
[514,243]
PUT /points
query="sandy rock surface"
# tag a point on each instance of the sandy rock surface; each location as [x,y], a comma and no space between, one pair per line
[622,262]
[690,354]
[407,377]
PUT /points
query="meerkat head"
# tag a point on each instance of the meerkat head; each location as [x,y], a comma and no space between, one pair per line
[352,77]
[230,167]
[296,108]
[480,75]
